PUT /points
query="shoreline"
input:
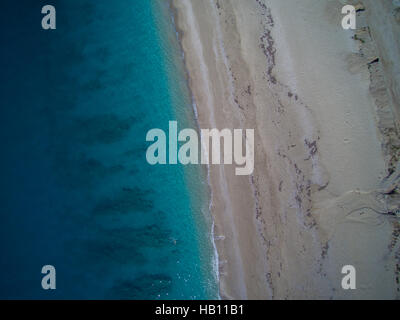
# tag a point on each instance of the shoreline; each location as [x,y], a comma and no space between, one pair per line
[179,32]
[232,277]
[316,188]
[181,96]
[215,259]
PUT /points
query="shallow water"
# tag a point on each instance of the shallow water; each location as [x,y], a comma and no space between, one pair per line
[76,190]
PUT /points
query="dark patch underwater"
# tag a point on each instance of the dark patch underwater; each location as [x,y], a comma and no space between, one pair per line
[76,191]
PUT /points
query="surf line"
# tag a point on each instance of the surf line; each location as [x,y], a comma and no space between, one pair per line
[188,152]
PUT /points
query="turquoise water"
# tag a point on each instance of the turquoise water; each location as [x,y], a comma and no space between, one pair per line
[76,190]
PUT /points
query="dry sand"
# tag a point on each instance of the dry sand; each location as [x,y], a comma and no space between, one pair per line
[325,114]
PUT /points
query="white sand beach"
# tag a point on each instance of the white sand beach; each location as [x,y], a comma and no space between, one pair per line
[324,103]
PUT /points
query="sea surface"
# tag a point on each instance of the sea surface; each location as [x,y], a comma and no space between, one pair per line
[76,191]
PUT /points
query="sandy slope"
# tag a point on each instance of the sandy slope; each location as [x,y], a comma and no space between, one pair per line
[316,99]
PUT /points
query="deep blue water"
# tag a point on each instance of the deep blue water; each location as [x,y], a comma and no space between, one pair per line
[76,191]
